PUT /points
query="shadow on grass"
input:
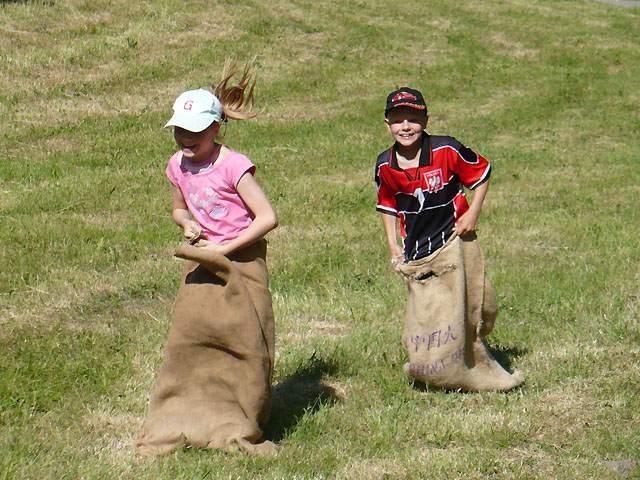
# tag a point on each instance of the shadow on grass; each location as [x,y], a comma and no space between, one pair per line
[298,394]
[505,355]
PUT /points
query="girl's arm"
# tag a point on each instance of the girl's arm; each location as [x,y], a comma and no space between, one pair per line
[265,218]
[468,222]
[182,217]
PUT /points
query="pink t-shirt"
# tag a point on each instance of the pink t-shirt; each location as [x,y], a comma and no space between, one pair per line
[210,193]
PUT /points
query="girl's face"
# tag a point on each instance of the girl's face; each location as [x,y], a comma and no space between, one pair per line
[197,146]
[406,125]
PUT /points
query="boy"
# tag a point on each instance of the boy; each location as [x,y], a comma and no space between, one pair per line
[451,306]
[420,181]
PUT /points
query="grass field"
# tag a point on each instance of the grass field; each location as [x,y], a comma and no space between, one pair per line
[547,90]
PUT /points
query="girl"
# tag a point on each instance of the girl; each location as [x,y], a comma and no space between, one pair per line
[214,387]
[216,200]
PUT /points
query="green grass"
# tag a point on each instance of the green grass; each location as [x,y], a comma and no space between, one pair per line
[546,90]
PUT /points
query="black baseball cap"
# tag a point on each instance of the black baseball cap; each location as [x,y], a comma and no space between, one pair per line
[405,97]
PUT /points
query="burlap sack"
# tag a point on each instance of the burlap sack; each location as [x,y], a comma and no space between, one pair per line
[451,307]
[214,387]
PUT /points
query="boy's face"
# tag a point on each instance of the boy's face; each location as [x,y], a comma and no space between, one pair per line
[406,124]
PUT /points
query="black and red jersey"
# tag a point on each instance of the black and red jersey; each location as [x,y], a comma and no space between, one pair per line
[429,198]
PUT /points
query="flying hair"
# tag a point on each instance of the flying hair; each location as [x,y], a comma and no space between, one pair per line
[237,100]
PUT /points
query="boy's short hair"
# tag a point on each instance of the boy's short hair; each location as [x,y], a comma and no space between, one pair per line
[405,97]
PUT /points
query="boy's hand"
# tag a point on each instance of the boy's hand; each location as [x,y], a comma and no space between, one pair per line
[395,261]
[466,224]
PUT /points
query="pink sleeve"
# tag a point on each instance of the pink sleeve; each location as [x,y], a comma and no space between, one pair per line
[237,165]
[172,169]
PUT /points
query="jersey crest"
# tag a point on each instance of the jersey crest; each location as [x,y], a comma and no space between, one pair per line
[433,180]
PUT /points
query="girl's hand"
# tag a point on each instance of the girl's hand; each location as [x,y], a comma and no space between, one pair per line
[210,246]
[191,231]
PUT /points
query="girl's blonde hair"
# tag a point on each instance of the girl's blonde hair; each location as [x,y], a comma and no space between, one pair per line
[237,100]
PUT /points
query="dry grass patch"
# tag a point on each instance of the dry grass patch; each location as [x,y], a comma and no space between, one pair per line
[525,241]
[40,150]
[75,62]
[303,329]
[114,220]
[68,292]
[374,469]
[112,434]
[299,111]
[500,100]
[71,109]
[8,199]
[562,416]
[510,140]
[287,233]
[512,48]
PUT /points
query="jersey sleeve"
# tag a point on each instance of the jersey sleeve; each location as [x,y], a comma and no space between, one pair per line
[237,166]
[472,168]
[386,202]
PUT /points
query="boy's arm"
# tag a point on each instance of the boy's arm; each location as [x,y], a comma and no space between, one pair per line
[468,222]
[389,222]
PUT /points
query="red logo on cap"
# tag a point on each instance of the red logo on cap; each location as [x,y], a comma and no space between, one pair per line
[404,96]
[188,105]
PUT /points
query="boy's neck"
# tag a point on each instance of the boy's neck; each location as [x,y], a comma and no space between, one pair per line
[412,156]
[409,157]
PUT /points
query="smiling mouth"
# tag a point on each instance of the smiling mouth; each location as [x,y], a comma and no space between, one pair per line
[188,150]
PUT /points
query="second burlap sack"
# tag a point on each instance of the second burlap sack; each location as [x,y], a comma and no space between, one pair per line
[451,307]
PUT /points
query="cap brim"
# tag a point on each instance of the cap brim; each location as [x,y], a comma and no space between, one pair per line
[405,104]
[193,123]
[412,105]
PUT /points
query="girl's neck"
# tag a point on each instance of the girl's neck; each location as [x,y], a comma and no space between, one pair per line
[217,153]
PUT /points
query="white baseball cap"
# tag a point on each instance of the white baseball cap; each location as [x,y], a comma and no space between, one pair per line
[195,110]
